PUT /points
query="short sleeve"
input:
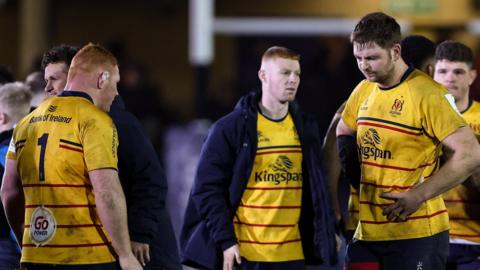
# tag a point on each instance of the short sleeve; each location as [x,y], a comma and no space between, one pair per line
[11,152]
[100,143]
[441,115]
[350,113]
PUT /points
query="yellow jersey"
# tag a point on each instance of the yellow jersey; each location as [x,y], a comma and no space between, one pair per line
[266,222]
[56,146]
[399,131]
[353,210]
[463,203]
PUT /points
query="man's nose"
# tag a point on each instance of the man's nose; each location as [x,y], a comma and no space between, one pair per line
[363,64]
[451,77]
[48,87]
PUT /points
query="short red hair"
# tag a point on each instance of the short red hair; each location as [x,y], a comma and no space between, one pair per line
[91,57]
[281,52]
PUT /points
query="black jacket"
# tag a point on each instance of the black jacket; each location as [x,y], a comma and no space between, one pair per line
[145,187]
[226,162]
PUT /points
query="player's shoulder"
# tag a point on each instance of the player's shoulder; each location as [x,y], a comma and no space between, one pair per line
[365,84]
[88,111]
[421,84]
[363,88]
[475,106]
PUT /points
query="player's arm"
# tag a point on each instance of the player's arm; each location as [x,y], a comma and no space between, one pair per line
[13,198]
[111,207]
[464,160]
[348,154]
[211,188]
[144,183]
[332,164]
[474,180]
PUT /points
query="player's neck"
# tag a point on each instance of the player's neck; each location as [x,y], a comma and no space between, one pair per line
[398,71]
[273,110]
[462,103]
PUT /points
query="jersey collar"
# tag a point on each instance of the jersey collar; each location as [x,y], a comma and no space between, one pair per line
[470,103]
[72,93]
[404,77]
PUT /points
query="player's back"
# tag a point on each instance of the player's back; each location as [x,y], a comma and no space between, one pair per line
[49,142]
[56,146]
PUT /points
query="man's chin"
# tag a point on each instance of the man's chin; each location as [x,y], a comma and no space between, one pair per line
[371,78]
[288,99]
[452,89]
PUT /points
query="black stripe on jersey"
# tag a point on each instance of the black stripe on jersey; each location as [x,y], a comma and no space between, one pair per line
[389,122]
[71,143]
[279,146]
[20,142]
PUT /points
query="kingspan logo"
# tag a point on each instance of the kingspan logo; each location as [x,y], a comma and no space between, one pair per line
[280,172]
[370,146]
[261,137]
[52,108]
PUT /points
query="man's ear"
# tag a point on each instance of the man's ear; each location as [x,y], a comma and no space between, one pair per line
[3,118]
[102,79]
[473,76]
[261,75]
[396,52]
[430,70]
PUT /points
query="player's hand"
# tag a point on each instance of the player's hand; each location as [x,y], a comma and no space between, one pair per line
[141,251]
[129,263]
[338,242]
[230,255]
[405,204]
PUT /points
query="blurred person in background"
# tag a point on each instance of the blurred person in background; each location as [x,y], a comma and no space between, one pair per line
[419,52]
[454,69]
[143,100]
[36,82]
[14,105]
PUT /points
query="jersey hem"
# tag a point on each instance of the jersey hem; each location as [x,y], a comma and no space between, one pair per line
[401,237]
[63,263]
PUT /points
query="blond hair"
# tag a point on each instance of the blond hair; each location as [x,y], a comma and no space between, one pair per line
[15,100]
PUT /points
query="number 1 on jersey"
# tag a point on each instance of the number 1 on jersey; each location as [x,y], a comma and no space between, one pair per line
[42,141]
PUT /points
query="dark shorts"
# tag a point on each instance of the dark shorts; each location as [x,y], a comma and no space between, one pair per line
[463,257]
[9,254]
[359,257]
[427,253]
[100,266]
[247,265]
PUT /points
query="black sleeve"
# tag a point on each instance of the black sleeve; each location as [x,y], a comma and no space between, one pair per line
[143,179]
[348,154]
[210,191]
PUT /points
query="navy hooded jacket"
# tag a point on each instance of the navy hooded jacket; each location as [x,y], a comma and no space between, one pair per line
[145,186]
[225,165]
